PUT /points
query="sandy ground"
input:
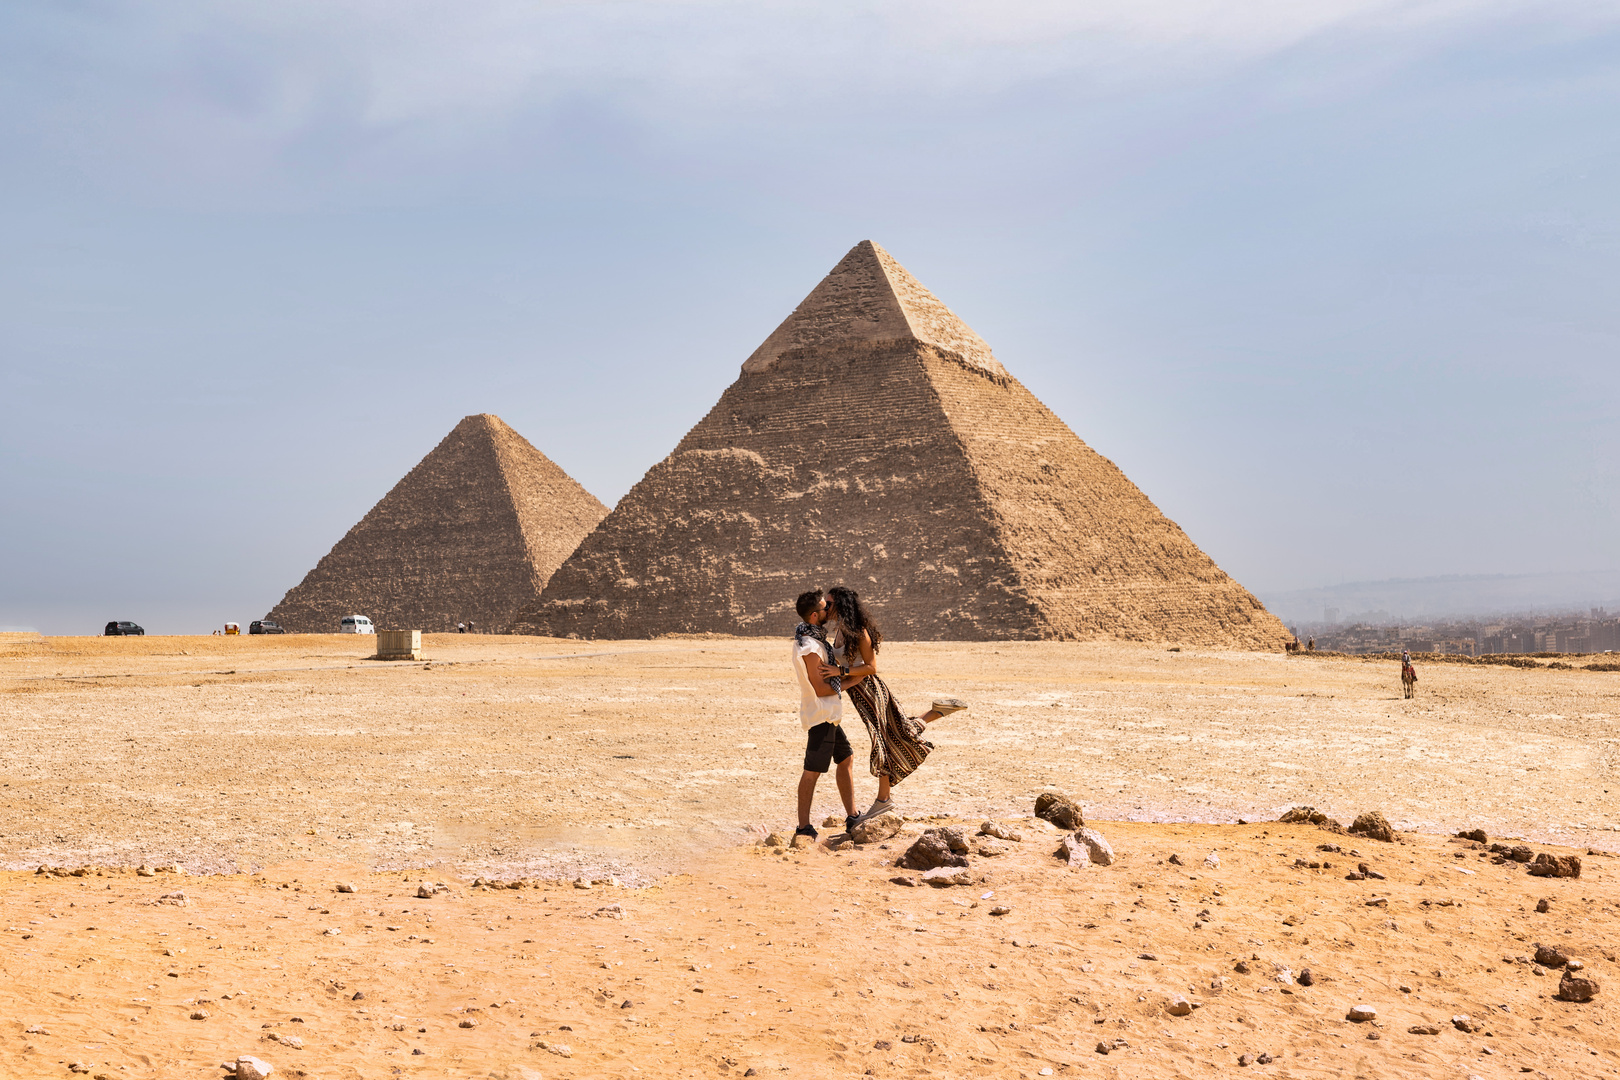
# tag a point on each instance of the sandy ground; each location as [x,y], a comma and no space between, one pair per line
[284,766]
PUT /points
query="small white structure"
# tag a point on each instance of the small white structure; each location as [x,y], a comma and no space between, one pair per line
[399,645]
[356,624]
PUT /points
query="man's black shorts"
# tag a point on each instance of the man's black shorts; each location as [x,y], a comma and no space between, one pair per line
[826,744]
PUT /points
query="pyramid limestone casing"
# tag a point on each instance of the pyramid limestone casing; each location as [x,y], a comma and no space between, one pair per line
[874,440]
[472,533]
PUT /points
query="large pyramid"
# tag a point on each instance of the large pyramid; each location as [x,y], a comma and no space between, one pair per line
[875,440]
[471,533]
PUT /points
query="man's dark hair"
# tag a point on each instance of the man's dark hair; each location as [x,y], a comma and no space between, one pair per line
[808,603]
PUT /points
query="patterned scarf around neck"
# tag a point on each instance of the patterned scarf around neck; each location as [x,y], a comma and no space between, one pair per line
[810,630]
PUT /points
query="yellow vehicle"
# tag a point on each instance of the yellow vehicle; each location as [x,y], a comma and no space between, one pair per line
[232,628]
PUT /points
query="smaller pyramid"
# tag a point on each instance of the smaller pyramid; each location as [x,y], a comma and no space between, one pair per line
[471,534]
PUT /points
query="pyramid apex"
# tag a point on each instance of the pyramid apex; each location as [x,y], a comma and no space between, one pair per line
[869,298]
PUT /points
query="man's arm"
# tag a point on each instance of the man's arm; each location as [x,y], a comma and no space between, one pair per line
[813,666]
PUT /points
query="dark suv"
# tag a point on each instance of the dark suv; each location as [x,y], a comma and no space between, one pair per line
[123,629]
[264,626]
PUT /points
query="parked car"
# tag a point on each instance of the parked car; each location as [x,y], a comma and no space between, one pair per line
[123,629]
[264,626]
[356,624]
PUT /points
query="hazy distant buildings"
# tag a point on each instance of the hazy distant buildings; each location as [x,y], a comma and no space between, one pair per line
[1594,634]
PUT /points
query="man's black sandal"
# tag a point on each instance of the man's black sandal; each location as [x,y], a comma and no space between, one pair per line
[850,822]
[806,830]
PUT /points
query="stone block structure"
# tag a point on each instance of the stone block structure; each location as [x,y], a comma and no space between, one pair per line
[472,533]
[875,440]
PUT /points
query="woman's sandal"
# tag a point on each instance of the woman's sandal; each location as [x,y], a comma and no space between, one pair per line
[947,705]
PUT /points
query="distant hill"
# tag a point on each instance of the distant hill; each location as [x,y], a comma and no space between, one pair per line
[1454,596]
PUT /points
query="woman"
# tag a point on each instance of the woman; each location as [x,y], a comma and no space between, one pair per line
[898,746]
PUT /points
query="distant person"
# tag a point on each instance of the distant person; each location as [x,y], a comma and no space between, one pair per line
[470,629]
[898,746]
[1408,675]
[1310,644]
[461,628]
[821,712]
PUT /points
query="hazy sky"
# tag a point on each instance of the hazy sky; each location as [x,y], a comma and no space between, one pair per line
[1334,282]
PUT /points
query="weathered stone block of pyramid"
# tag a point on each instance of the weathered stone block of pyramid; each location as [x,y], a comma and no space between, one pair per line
[875,440]
[470,534]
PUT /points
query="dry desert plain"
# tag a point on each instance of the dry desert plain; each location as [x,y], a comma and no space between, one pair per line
[269,771]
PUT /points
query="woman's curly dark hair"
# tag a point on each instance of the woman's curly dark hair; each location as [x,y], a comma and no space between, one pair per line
[853,616]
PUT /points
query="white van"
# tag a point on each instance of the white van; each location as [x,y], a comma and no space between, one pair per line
[356,624]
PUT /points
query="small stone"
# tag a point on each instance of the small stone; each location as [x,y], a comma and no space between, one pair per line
[751,1072]
[1264,1059]
[1558,866]
[292,1041]
[875,830]
[469,1022]
[1001,910]
[418,1051]
[1212,861]
[1303,815]
[943,876]
[847,845]
[78,1067]
[801,841]
[935,848]
[1373,1035]
[345,887]
[1464,1023]
[1241,967]
[359,995]
[1074,851]
[1360,1014]
[1000,832]
[332,931]
[1476,835]
[1102,1048]
[1543,906]
[832,821]
[1060,810]
[1306,978]
[1096,847]
[777,840]
[1178,1006]
[883,1044]
[1147,956]
[251,1068]
[627,1004]
[1547,956]
[905,880]
[1423,1029]
[1374,826]
[178,898]
[1175,860]
[1246,1060]
[1574,965]
[199,1014]
[424,891]
[144,871]
[1575,989]
[561,1050]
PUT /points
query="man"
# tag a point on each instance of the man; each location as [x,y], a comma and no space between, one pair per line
[821,711]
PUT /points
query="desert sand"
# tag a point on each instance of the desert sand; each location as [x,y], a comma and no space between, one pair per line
[268,772]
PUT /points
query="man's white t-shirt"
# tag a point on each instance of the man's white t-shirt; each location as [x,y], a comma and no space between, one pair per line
[814,710]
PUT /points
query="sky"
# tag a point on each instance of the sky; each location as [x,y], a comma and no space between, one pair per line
[1333,283]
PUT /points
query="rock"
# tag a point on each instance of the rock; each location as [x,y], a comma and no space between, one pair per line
[424,891]
[251,1068]
[1074,851]
[1360,1014]
[877,829]
[776,840]
[1369,872]
[144,871]
[1060,810]
[1245,1060]
[1097,847]
[627,1004]
[905,880]
[199,1014]
[1543,906]
[1521,853]
[1556,866]
[832,821]
[1464,1023]
[1476,835]
[561,1049]
[954,837]
[1000,832]
[1001,909]
[1102,1048]
[1306,978]
[942,876]
[883,1044]
[469,1022]
[1303,815]
[800,842]
[1264,1059]
[1148,956]
[989,849]
[1241,967]
[1212,861]
[332,931]
[345,887]
[932,849]
[610,911]
[292,1041]
[846,845]
[178,898]
[1574,965]
[1178,1006]
[1573,988]
[1374,826]
[78,1067]
[1175,860]
[1547,956]
[1423,1029]
[1283,974]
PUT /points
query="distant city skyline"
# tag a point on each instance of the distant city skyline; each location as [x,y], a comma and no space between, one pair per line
[1332,284]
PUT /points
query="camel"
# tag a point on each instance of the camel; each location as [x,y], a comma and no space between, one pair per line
[1408,680]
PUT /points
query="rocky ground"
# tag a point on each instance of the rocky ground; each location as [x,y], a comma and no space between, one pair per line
[295,765]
